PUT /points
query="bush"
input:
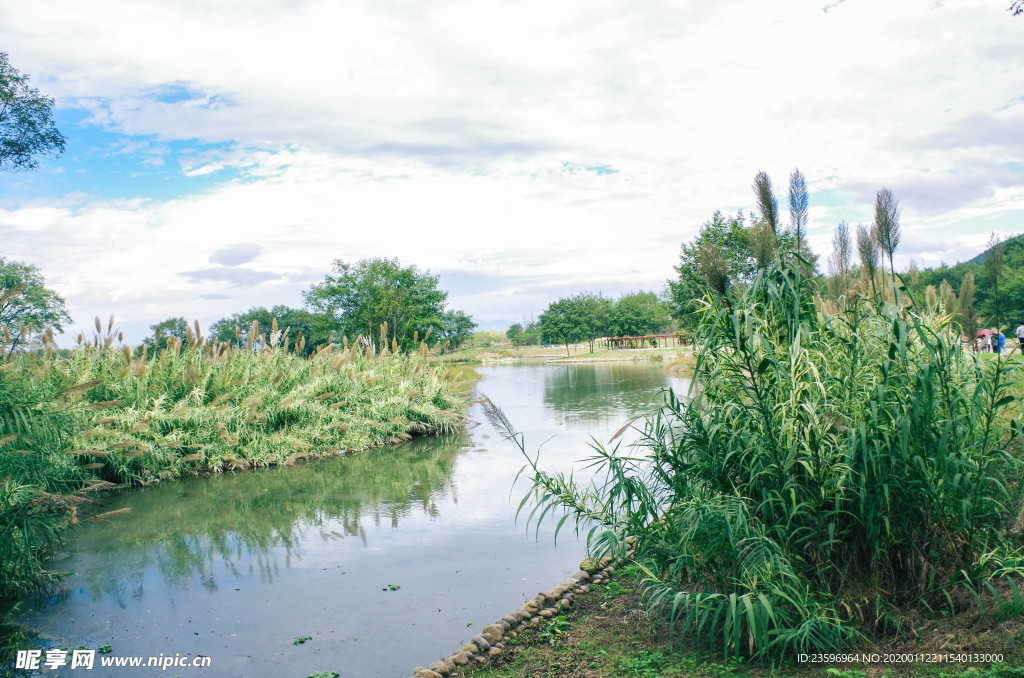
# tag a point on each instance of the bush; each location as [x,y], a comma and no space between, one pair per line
[825,470]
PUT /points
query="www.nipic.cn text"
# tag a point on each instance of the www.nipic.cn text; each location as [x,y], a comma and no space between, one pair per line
[86,659]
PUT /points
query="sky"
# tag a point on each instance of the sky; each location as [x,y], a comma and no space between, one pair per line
[221,155]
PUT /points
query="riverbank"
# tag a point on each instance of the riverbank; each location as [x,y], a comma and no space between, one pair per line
[384,558]
[608,634]
[674,357]
[99,418]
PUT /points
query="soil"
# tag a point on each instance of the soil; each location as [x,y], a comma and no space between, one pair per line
[608,634]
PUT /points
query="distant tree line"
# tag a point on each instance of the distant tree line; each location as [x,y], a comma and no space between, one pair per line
[378,300]
[586,317]
[729,251]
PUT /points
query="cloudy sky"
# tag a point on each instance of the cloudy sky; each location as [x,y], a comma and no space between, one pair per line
[222,154]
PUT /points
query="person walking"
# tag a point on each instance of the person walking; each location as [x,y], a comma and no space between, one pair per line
[993,340]
[1020,336]
[1002,341]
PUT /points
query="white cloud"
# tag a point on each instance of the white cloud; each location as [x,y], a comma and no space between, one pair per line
[451,135]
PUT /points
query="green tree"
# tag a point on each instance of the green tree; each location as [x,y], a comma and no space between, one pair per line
[176,327]
[514,330]
[595,314]
[456,327]
[26,302]
[298,322]
[638,314]
[357,299]
[582,317]
[26,121]
[724,238]
[561,323]
[528,334]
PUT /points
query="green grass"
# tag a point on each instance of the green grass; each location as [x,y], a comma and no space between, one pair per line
[100,417]
[831,477]
[608,636]
[669,354]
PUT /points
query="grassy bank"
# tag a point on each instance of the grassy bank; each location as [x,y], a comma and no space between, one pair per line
[601,354]
[672,356]
[478,354]
[97,417]
[608,634]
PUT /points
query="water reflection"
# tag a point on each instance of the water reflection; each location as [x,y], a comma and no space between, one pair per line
[589,394]
[195,530]
[235,567]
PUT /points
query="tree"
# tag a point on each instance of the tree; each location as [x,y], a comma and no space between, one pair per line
[26,122]
[26,304]
[561,323]
[725,251]
[887,226]
[1016,8]
[513,332]
[595,315]
[638,314]
[359,298]
[177,328]
[722,248]
[526,333]
[298,322]
[456,327]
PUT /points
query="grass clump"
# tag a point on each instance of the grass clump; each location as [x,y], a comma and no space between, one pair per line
[830,476]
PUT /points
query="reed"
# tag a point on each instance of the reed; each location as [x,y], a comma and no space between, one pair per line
[98,415]
[829,476]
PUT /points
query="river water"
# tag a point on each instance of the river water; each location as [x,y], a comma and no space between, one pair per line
[386,560]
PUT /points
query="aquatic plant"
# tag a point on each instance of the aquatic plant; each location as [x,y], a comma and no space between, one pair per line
[827,472]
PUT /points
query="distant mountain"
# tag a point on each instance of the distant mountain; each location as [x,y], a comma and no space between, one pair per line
[1014,245]
[990,311]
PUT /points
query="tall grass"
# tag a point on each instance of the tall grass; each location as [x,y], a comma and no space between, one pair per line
[827,473]
[99,416]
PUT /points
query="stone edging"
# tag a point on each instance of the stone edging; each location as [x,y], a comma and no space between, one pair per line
[492,640]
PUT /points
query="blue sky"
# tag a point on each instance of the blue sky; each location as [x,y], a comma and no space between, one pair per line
[103,164]
[221,157]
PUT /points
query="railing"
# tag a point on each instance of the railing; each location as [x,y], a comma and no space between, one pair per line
[646,341]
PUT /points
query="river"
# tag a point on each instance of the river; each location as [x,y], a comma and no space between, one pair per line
[385,560]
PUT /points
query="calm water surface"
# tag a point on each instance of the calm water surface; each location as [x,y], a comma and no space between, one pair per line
[236,567]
